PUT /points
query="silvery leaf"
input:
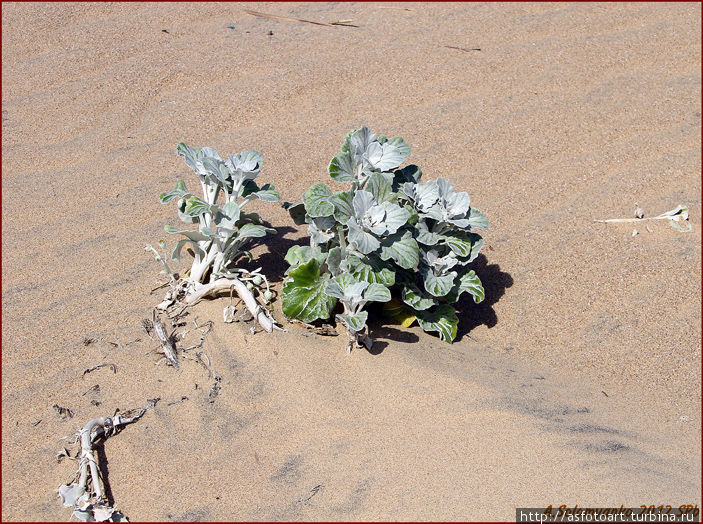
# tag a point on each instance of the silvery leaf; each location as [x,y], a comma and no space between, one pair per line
[443,320]
[402,248]
[439,286]
[334,260]
[196,206]
[317,201]
[253,231]
[346,287]
[72,495]
[370,269]
[377,293]
[455,205]
[470,283]
[379,185]
[195,236]
[362,202]
[477,220]
[179,191]
[217,168]
[319,228]
[298,255]
[176,253]
[413,297]
[423,196]
[425,236]
[227,216]
[355,322]
[267,193]
[246,162]
[464,245]
[360,140]
[395,217]
[365,242]
[343,208]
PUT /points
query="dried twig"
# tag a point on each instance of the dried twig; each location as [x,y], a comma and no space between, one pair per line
[94,368]
[91,504]
[466,50]
[676,215]
[279,17]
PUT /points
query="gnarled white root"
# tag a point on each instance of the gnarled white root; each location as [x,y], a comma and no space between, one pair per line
[221,284]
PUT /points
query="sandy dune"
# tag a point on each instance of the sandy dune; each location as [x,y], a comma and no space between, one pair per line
[577,381]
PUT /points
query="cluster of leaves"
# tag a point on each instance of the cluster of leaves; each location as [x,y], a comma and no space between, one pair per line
[223,229]
[389,235]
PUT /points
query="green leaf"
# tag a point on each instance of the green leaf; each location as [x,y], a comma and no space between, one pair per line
[402,248]
[179,191]
[443,320]
[364,241]
[416,299]
[465,245]
[298,255]
[195,236]
[379,185]
[304,294]
[477,220]
[370,270]
[470,283]
[377,293]
[248,187]
[346,287]
[253,231]
[400,312]
[355,322]
[341,167]
[317,201]
[343,208]
[196,206]
[439,286]
[334,259]
[268,193]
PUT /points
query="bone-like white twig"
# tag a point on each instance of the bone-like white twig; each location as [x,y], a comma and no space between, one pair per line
[221,284]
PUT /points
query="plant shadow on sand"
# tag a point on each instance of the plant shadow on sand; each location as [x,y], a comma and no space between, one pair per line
[470,314]
[274,259]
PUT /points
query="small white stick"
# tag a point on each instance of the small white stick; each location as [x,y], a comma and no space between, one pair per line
[221,284]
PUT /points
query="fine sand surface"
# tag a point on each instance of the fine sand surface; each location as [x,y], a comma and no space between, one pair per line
[577,381]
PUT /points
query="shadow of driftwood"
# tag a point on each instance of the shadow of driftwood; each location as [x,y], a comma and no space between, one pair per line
[103,470]
[495,282]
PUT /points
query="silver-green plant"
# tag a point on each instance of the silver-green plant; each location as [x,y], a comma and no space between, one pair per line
[223,231]
[388,238]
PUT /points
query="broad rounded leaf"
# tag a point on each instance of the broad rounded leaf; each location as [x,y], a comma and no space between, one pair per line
[371,270]
[413,297]
[343,208]
[317,201]
[304,295]
[442,320]
[268,193]
[365,242]
[253,231]
[379,185]
[355,322]
[465,245]
[477,220]
[196,206]
[342,167]
[402,248]
[377,293]
[439,286]
[470,283]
